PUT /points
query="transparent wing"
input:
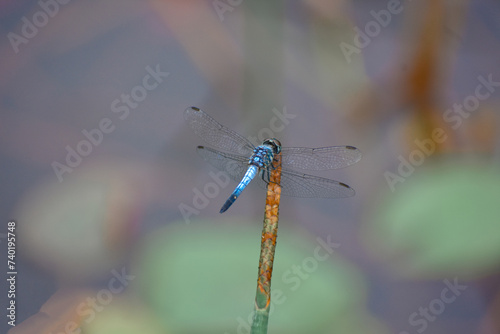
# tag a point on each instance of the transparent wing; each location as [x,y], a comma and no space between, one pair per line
[323,158]
[216,134]
[304,185]
[292,183]
[234,165]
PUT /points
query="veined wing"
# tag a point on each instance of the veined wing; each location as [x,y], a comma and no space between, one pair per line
[215,133]
[322,158]
[234,165]
[304,185]
[292,183]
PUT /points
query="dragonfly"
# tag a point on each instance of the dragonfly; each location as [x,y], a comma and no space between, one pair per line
[242,161]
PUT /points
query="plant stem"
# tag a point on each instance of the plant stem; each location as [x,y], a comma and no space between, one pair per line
[267,249]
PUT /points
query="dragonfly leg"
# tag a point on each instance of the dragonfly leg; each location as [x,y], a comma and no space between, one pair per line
[263,175]
[266,173]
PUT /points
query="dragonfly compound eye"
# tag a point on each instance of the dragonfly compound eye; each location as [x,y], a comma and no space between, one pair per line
[274,143]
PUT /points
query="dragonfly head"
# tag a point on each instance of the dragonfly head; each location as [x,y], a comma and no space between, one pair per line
[274,144]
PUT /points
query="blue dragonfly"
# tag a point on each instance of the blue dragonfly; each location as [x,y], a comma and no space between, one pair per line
[242,161]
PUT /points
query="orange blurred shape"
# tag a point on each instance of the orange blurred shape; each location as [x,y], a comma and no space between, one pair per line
[58,314]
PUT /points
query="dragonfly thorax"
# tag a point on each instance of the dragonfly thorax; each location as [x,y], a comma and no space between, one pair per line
[262,157]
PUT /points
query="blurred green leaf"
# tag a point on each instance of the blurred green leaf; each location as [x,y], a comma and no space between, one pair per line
[201,278]
[443,220]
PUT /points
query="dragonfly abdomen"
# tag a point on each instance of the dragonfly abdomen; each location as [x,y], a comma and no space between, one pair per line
[249,175]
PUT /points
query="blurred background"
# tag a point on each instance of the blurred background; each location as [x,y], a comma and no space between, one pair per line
[117,223]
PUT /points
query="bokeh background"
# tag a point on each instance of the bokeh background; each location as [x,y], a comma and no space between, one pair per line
[117,220]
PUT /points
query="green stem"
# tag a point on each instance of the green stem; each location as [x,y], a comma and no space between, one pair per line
[260,318]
